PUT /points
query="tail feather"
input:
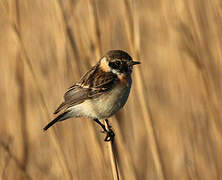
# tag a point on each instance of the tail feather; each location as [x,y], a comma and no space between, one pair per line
[60,117]
[61,106]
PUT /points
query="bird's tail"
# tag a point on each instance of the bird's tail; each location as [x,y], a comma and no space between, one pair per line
[60,117]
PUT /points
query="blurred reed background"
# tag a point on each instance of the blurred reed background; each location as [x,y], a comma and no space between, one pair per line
[171,126]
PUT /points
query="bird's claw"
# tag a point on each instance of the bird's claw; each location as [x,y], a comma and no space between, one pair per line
[109,135]
[108,131]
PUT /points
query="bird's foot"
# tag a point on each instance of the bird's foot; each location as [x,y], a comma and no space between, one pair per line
[109,135]
[108,131]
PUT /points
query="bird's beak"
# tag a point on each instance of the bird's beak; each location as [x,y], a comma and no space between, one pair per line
[134,63]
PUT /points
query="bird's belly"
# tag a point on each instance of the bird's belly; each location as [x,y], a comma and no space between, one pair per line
[103,106]
[108,104]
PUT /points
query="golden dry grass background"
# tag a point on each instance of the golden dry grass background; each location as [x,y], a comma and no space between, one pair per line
[170,128]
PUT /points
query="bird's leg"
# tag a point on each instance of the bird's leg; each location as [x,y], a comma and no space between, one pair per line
[101,124]
[109,133]
[109,126]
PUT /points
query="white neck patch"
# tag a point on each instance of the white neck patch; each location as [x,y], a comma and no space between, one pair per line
[116,72]
[104,64]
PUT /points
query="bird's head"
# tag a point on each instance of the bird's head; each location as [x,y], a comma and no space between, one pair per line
[118,62]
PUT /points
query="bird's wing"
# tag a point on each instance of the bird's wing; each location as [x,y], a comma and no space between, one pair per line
[91,85]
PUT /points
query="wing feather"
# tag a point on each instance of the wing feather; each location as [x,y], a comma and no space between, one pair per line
[91,85]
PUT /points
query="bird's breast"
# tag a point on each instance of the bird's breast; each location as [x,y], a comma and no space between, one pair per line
[109,103]
[106,104]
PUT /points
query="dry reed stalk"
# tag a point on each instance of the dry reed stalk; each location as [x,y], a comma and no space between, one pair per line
[95,28]
[125,155]
[61,155]
[113,158]
[98,49]
[23,108]
[20,74]
[15,159]
[27,60]
[195,40]
[134,42]
[198,50]
[70,35]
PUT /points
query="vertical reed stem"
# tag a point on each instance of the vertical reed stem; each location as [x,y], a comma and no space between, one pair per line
[133,39]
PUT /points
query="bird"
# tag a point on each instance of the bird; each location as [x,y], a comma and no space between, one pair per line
[100,93]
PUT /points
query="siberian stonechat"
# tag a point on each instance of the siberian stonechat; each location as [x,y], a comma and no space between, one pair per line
[101,92]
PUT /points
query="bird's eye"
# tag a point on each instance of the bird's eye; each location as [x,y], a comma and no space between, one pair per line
[117,63]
